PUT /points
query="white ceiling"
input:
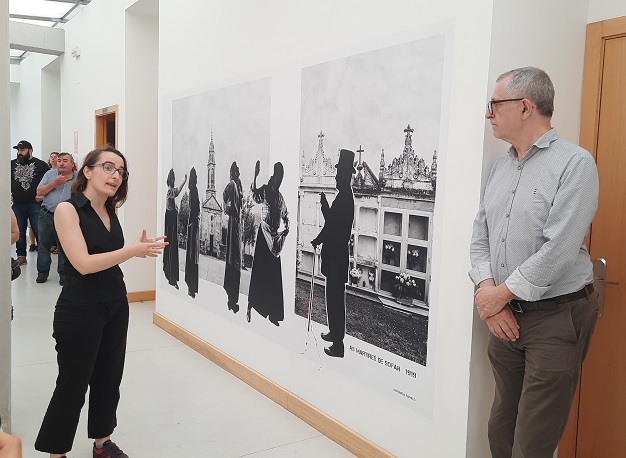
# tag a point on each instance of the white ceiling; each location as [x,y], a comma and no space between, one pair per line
[47,13]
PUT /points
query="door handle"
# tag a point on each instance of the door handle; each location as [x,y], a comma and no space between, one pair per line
[599,282]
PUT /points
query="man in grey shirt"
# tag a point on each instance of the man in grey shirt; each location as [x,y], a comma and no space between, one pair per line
[55,187]
[531,267]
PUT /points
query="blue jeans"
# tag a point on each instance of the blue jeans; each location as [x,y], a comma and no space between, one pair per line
[23,214]
[47,236]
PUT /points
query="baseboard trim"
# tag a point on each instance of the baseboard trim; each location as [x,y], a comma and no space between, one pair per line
[141,296]
[331,428]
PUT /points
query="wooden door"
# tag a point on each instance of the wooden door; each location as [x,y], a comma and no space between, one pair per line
[597,425]
[106,127]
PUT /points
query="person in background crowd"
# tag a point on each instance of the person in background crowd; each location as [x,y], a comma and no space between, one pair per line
[15,267]
[91,315]
[52,163]
[52,160]
[32,247]
[55,187]
[531,267]
[15,229]
[26,173]
[10,446]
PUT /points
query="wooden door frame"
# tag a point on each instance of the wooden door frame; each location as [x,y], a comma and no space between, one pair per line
[597,35]
[102,113]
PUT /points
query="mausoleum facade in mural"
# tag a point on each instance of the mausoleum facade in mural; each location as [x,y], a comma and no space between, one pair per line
[392,233]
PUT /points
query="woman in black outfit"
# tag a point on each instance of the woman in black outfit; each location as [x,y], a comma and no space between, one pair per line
[193,241]
[91,315]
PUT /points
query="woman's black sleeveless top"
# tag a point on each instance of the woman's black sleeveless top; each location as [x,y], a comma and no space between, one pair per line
[106,285]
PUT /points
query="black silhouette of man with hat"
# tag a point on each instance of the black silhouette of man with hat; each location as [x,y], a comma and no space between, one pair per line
[334,238]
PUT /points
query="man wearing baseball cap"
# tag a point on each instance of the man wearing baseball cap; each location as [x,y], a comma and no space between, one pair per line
[26,173]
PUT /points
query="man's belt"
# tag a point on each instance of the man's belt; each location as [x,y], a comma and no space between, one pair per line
[46,210]
[520,306]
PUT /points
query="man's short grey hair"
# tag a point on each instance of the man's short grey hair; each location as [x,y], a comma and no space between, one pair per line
[60,155]
[531,83]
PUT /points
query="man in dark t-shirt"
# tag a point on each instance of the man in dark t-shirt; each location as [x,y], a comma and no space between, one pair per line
[26,173]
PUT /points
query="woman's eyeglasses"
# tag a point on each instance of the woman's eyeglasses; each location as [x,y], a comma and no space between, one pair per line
[110,168]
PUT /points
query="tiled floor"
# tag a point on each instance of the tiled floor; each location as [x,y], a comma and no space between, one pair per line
[175,403]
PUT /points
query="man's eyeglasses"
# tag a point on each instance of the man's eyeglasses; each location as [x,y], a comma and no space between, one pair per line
[110,168]
[491,103]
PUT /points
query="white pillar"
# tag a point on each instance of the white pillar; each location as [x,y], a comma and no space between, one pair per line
[5,247]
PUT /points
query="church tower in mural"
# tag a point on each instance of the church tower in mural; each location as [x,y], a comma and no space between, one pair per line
[211,214]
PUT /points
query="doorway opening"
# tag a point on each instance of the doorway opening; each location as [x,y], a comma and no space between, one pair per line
[106,127]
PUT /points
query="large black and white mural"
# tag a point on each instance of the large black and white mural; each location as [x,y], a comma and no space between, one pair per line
[384,106]
[218,187]
[321,239]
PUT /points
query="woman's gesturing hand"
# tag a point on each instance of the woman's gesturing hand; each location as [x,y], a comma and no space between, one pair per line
[145,246]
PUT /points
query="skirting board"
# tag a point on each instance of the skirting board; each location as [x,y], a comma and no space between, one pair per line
[326,425]
[141,296]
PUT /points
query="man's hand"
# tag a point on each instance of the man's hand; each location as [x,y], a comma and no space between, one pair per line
[62,179]
[491,299]
[503,325]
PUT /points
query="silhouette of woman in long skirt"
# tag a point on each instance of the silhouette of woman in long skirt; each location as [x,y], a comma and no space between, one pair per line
[266,283]
[232,207]
[170,252]
[193,241]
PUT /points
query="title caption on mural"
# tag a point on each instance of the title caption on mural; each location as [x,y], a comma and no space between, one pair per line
[382,361]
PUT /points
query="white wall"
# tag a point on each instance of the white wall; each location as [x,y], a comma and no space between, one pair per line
[99,78]
[28,94]
[50,106]
[599,10]
[95,79]
[554,41]
[225,40]
[141,88]
[5,290]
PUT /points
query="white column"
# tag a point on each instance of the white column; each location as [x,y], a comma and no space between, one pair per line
[5,248]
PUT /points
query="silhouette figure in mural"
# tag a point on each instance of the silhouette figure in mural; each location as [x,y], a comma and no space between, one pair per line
[170,252]
[233,198]
[334,238]
[193,240]
[266,283]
